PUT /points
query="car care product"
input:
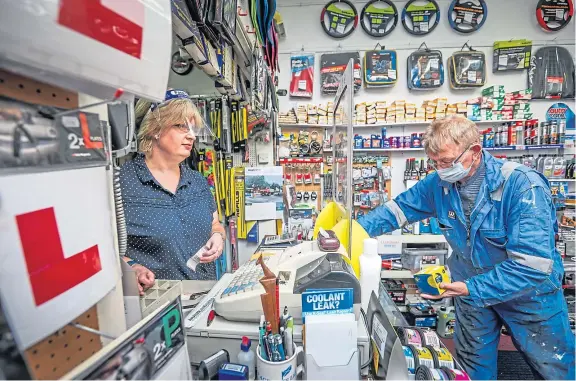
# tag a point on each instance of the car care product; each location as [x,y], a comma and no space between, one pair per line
[561,131]
[409,336]
[424,372]
[422,356]
[414,174]
[370,267]
[540,163]
[559,171]
[407,170]
[410,360]
[246,357]
[423,172]
[429,337]
[358,141]
[548,166]
[455,374]
[429,279]
[396,290]
[553,132]
[446,322]
[421,315]
[519,133]
[442,357]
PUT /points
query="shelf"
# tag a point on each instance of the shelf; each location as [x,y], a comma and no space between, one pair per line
[525,148]
[386,149]
[306,125]
[416,238]
[396,274]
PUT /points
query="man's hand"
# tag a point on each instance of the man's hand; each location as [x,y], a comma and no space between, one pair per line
[452,289]
[145,278]
[214,248]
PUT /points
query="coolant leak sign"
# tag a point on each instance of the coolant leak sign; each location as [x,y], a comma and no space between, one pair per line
[329,301]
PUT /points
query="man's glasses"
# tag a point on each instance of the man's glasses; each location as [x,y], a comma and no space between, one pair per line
[447,163]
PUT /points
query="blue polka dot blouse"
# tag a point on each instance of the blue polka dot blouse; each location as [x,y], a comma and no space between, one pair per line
[165,229]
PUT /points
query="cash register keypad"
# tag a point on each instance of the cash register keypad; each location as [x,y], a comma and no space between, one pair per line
[245,279]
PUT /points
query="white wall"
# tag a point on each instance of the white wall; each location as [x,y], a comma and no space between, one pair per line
[507,19]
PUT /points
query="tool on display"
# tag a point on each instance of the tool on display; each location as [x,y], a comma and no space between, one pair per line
[425,69]
[339,18]
[379,18]
[467,16]
[420,17]
[554,15]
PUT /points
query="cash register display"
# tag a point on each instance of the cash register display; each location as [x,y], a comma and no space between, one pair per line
[313,271]
[332,271]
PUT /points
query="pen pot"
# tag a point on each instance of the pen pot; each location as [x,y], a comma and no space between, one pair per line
[288,369]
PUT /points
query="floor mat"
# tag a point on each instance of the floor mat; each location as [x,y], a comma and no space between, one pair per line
[512,366]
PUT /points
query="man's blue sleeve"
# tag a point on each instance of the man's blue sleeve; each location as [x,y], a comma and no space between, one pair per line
[413,205]
[531,249]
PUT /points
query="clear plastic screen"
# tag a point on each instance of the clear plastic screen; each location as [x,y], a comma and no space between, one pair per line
[342,137]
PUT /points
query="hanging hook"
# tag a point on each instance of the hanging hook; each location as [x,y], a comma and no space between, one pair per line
[378,45]
[302,48]
[247,28]
[241,12]
[466,45]
[423,44]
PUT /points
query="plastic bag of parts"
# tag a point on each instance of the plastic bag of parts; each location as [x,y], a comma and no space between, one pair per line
[380,68]
[425,69]
[467,69]
[551,74]
[302,82]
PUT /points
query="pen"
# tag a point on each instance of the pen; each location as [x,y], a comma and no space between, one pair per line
[279,347]
[211,316]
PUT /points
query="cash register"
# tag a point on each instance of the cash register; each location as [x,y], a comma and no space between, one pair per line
[236,297]
[316,264]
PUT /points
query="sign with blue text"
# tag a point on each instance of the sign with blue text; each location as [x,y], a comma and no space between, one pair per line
[327,301]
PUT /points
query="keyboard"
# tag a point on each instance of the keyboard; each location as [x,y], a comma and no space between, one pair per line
[246,278]
[206,302]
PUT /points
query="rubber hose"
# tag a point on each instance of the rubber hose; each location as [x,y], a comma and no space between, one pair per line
[120,217]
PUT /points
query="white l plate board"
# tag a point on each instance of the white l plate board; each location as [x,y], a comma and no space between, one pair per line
[57,256]
[90,46]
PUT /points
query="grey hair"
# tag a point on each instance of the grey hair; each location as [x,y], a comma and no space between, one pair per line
[451,129]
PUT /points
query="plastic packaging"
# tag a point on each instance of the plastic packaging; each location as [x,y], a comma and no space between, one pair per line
[246,357]
[548,166]
[370,267]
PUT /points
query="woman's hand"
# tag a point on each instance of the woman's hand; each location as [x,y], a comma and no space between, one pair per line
[144,276]
[214,248]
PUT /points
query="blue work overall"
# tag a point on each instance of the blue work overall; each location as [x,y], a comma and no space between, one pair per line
[508,260]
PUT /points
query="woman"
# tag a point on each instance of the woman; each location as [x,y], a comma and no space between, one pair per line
[170,211]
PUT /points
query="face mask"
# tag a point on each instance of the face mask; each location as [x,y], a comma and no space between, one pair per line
[454,173]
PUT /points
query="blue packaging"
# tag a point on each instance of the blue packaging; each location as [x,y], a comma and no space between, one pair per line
[425,226]
[229,371]
[357,141]
[383,133]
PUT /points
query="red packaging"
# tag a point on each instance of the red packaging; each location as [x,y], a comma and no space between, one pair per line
[302,77]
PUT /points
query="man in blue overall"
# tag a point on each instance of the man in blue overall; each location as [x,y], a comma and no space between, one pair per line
[499,219]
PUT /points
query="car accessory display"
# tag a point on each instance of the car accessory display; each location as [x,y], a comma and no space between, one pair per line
[511,55]
[467,69]
[420,17]
[380,68]
[302,77]
[554,15]
[467,16]
[339,18]
[551,74]
[332,66]
[379,17]
[425,69]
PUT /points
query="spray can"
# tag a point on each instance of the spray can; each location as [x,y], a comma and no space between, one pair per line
[511,136]
[561,131]
[554,132]
[528,133]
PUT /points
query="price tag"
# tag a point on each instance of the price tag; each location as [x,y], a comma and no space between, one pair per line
[468,17]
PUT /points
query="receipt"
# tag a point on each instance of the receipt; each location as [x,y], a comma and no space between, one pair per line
[195,260]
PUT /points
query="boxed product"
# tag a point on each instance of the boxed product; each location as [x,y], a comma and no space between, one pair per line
[473,112]
[524,107]
[521,95]
[496,91]
[441,102]
[474,101]
[420,112]
[486,114]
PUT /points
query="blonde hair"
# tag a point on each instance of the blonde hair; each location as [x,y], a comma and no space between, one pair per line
[452,129]
[156,122]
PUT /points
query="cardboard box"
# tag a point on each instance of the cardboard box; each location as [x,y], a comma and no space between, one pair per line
[494,91]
